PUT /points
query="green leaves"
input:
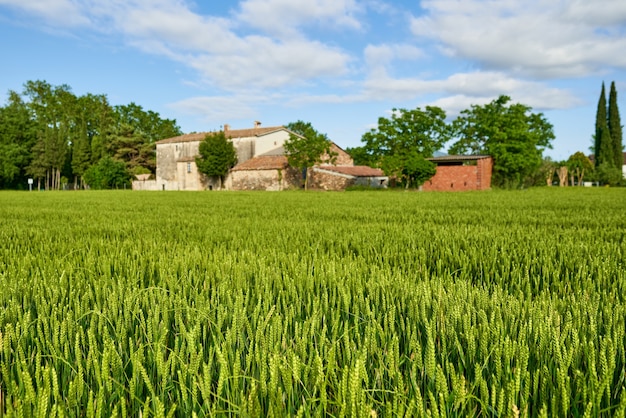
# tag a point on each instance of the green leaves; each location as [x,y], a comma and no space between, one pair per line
[53,133]
[306,147]
[409,166]
[107,174]
[513,135]
[399,144]
[420,131]
[217,155]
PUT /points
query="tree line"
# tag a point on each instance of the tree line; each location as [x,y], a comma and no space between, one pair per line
[59,139]
[509,132]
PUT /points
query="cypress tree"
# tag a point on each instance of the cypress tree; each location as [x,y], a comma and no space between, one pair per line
[615,128]
[602,146]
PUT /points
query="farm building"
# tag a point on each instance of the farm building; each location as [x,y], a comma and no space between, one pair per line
[329,177]
[262,164]
[460,173]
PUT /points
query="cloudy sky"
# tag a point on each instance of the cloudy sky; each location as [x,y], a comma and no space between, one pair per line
[339,64]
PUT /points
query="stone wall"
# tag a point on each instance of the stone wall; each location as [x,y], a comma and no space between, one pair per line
[146,185]
[325,180]
[270,180]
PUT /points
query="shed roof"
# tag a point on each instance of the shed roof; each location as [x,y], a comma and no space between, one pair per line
[263,162]
[356,170]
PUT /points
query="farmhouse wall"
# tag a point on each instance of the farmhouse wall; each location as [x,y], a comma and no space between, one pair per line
[244,147]
[461,177]
[188,176]
[269,142]
[270,180]
[342,158]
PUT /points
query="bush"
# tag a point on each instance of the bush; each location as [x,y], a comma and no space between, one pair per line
[108,173]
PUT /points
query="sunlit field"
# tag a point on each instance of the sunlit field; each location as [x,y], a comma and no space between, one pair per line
[357,304]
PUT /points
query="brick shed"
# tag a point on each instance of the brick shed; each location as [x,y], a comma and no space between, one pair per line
[460,173]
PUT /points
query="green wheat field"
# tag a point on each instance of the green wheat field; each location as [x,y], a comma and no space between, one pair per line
[354,304]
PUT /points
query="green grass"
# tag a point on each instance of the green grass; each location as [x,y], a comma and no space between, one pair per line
[313,304]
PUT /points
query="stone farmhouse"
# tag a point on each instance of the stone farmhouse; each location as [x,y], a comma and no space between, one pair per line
[262,165]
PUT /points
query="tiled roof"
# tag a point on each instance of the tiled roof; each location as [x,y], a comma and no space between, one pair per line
[231,133]
[450,158]
[264,162]
[356,170]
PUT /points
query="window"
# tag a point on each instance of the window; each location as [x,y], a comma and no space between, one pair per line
[189,167]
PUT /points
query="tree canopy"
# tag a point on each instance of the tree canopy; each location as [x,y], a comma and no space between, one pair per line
[400,144]
[307,147]
[511,133]
[217,156]
[47,132]
[409,167]
[579,165]
[108,173]
[420,131]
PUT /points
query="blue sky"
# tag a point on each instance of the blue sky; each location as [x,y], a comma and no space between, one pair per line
[339,64]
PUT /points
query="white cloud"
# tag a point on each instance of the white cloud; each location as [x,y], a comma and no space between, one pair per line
[286,17]
[210,44]
[455,92]
[61,12]
[597,12]
[541,38]
[216,109]
[381,56]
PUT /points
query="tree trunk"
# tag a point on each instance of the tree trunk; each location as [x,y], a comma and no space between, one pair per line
[580,177]
[550,177]
[563,176]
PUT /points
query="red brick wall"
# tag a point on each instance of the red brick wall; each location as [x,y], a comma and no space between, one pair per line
[461,177]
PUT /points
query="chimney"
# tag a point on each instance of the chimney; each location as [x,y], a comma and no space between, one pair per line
[257,124]
[226,127]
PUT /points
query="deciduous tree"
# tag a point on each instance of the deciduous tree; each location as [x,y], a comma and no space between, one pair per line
[400,143]
[108,173]
[409,167]
[217,156]
[578,165]
[511,133]
[420,131]
[17,137]
[307,147]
